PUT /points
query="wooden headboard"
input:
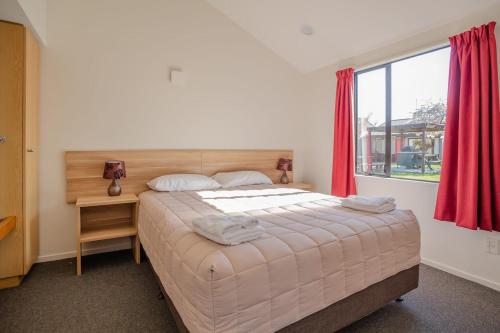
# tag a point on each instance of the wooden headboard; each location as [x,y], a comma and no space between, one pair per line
[84,168]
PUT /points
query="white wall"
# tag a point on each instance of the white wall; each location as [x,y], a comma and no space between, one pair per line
[105,86]
[36,12]
[457,250]
[12,12]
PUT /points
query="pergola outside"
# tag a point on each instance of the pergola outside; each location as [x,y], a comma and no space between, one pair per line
[401,129]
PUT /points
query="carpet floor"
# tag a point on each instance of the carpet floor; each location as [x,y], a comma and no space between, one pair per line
[116,295]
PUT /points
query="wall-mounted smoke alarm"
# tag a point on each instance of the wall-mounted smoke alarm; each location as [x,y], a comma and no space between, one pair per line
[307,30]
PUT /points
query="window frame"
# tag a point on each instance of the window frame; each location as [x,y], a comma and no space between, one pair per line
[388,113]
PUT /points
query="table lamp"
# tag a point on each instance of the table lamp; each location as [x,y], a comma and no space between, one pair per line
[114,170]
[284,165]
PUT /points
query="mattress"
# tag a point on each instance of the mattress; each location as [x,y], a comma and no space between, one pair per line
[313,254]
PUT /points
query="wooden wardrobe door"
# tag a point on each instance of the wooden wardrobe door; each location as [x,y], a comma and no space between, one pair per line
[31,151]
[11,151]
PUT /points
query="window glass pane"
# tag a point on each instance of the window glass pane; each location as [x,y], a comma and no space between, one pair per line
[419,91]
[371,104]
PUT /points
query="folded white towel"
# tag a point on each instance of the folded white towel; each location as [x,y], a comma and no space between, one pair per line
[368,200]
[371,209]
[228,230]
[220,224]
[235,237]
[369,204]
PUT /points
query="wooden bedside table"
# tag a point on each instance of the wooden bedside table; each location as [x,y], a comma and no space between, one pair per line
[300,186]
[105,217]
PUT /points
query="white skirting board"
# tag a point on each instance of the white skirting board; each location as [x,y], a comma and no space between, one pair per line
[462,274]
[92,249]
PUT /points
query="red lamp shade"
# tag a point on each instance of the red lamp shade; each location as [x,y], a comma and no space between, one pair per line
[114,170]
[285,164]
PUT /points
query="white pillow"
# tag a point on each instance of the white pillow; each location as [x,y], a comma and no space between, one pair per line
[238,178]
[183,182]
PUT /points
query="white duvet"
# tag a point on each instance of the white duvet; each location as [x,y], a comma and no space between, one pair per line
[313,253]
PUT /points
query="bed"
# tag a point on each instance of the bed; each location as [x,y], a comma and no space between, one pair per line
[318,268]
[314,254]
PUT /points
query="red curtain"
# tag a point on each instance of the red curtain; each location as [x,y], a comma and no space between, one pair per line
[343,183]
[469,191]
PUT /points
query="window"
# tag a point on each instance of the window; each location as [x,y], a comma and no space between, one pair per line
[400,111]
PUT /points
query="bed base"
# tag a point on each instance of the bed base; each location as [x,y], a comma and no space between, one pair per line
[341,313]
[358,305]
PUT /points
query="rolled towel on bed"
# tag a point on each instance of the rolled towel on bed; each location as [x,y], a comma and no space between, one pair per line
[369,204]
[227,229]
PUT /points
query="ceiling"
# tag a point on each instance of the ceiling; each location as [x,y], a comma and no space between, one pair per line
[342,28]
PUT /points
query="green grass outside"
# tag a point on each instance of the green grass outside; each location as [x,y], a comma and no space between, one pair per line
[418,176]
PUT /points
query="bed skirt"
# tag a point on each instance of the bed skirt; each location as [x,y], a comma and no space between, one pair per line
[341,313]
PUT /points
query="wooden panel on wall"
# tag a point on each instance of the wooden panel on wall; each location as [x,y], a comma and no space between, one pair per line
[264,161]
[84,168]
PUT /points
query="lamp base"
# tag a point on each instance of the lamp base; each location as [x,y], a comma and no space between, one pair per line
[114,188]
[284,178]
